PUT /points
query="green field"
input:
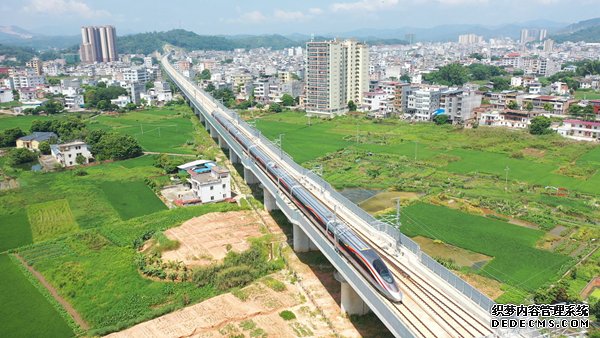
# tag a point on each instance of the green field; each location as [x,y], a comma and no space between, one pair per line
[95,271]
[50,219]
[587,94]
[515,261]
[166,130]
[29,314]
[131,199]
[15,230]
[61,202]
[23,122]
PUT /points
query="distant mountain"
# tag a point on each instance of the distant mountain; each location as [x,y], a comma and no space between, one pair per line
[17,36]
[585,24]
[451,32]
[14,32]
[588,31]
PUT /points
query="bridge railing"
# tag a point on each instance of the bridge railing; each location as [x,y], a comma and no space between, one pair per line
[401,240]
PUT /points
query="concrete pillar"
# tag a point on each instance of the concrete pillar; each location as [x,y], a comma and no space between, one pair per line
[352,304]
[270,201]
[249,177]
[222,143]
[301,241]
[233,157]
[213,132]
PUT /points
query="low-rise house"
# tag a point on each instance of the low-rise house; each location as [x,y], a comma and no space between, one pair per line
[121,101]
[211,185]
[580,130]
[66,153]
[508,118]
[32,141]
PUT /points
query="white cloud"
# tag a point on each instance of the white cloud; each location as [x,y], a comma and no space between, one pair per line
[315,11]
[62,7]
[248,17]
[289,15]
[364,5]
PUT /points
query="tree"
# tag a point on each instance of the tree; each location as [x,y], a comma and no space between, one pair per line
[500,83]
[8,138]
[548,107]
[585,113]
[287,100]
[275,108]
[164,162]
[130,106]
[80,159]
[116,147]
[205,75]
[405,78]
[20,156]
[450,75]
[513,105]
[441,119]
[149,85]
[44,148]
[351,106]
[540,125]
[529,106]
[210,87]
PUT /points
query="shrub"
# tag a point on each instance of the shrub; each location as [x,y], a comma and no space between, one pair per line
[287,315]
[20,156]
[235,276]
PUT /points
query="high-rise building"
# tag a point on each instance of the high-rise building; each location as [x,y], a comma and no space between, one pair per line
[469,39]
[548,45]
[336,72]
[98,44]
[543,34]
[36,65]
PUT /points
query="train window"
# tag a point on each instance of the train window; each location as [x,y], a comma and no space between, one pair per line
[383,271]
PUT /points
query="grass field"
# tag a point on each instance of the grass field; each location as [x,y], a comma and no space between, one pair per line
[167,129]
[131,199]
[587,94]
[29,314]
[23,122]
[95,271]
[516,260]
[15,230]
[50,219]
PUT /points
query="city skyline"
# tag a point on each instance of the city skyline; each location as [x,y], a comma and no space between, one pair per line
[284,17]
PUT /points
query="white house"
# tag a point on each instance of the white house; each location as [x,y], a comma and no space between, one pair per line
[66,153]
[74,102]
[580,130]
[6,95]
[121,101]
[210,186]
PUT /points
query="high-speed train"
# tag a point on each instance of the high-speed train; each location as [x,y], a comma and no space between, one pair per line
[361,255]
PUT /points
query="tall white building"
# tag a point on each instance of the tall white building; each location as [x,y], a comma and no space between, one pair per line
[336,72]
[469,39]
[98,44]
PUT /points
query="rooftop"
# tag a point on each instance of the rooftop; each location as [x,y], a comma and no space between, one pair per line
[39,136]
[588,123]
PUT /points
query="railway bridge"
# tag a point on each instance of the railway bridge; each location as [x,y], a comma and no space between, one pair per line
[436,303]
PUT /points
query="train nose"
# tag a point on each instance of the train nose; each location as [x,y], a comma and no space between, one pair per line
[396,296]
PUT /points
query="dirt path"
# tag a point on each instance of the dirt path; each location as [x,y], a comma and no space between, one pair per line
[170,154]
[66,305]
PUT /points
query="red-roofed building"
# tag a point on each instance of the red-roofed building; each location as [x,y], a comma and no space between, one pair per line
[580,130]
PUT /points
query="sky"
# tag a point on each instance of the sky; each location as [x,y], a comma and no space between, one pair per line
[64,17]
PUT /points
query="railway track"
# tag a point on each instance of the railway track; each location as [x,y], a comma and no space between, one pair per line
[427,310]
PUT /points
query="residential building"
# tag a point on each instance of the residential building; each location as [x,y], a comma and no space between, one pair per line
[36,65]
[375,103]
[6,95]
[121,101]
[32,141]
[506,118]
[136,74]
[211,185]
[27,81]
[74,102]
[469,39]
[66,154]
[557,105]
[459,104]
[98,44]
[336,72]
[580,130]
[423,102]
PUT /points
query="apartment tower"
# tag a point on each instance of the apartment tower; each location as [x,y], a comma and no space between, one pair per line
[336,72]
[98,44]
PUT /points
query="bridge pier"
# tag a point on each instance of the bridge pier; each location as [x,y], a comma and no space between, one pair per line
[233,157]
[213,132]
[301,241]
[270,201]
[249,177]
[222,143]
[352,304]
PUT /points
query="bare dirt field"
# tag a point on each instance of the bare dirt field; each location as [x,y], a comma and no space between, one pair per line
[310,292]
[255,311]
[206,239]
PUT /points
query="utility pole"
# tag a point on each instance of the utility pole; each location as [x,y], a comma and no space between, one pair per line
[279,142]
[416,143]
[506,178]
